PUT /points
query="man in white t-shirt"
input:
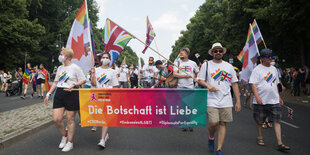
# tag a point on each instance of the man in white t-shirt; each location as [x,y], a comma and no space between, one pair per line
[218,75]
[149,73]
[267,101]
[123,76]
[186,71]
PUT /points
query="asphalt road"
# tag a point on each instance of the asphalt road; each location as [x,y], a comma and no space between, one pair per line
[14,102]
[240,139]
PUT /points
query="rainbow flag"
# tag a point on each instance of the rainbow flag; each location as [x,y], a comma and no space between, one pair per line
[143,107]
[46,84]
[257,34]
[124,60]
[248,55]
[79,40]
[26,75]
[150,34]
[114,39]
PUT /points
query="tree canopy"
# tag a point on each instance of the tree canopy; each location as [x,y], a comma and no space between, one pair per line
[283,24]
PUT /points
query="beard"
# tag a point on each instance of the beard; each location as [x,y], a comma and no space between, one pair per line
[218,57]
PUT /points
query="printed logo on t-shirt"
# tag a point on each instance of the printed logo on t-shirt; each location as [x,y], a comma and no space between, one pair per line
[270,78]
[186,68]
[221,75]
[103,79]
[63,76]
[150,70]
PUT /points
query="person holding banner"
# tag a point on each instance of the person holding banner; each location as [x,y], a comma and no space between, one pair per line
[186,72]
[218,75]
[267,101]
[68,76]
[104,77]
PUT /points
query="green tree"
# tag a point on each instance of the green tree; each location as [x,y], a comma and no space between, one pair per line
[18,35]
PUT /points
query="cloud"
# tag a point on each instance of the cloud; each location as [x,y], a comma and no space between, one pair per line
[169,21]
[101,5]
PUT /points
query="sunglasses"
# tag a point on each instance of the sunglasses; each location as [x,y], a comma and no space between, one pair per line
[217,51]
[269,56]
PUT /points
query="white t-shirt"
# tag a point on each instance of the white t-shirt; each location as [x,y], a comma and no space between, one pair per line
[266,80]
[40,74]
[123,71]
[189,67]
[149,71]
[66,76]
[220,76]
[132,72]
[106,78]
[3,77]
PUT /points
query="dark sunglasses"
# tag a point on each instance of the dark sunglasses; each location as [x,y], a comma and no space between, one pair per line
[217,51]
[269,56]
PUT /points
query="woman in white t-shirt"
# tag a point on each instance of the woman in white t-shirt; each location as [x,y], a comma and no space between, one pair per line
[104,77]
[68,76]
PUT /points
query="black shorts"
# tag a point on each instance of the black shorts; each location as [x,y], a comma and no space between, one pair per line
[40,81]
[272,111]
[66,99]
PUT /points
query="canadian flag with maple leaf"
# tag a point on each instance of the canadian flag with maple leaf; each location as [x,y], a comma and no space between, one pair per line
[79,40]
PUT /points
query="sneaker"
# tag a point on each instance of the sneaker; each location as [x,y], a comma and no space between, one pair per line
[63,142]
[191,129]
[219,152]
[184,129]
[41,97]
[103,141]
[23,97]
[68,147]
[211,144]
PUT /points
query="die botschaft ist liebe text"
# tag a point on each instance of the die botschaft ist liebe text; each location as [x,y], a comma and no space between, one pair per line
[163,110]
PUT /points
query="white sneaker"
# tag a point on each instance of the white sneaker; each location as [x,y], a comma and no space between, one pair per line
[63,142]
[68,147]
[103,141]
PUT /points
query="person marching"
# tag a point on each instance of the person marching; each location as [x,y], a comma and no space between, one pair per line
[123,76]
[188,71]
[149,73]
[19,78]
[267,101]
[133,73]
[27,79]
[104,77]
[41,77]
[68,76]
[164,72]
[218,75]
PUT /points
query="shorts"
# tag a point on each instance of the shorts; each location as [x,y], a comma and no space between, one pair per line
[219,114]
[40,81]
[261,112]
[66,99]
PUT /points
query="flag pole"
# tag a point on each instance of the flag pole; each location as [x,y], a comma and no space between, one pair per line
[260,33]
[156,46]
[89,35]
[141,41]
[152,49]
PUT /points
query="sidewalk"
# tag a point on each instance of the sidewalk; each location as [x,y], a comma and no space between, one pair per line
[18,124]
[301,100]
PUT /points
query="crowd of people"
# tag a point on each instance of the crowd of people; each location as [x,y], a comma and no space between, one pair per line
[34,78]
[218,76]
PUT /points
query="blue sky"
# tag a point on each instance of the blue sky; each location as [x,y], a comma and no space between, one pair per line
[168,18]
